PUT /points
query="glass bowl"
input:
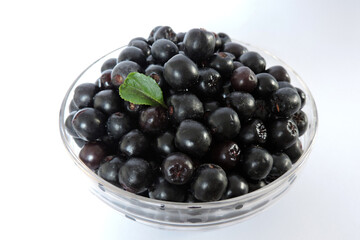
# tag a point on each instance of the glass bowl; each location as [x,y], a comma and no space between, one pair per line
[172,215]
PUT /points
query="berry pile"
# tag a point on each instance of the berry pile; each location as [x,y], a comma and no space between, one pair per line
[230,126]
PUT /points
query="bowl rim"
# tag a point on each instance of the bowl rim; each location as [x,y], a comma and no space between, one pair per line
[183,205]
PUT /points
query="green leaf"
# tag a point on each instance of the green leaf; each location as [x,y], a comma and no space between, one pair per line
[141,89]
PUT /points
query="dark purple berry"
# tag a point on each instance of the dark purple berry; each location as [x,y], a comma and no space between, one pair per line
[223,63]
[134,144]
[118,124]
[280,73]
[302,97]
[163,190]
[225,154]
[184,106]
[162,50]
[243,103]
[177,168]
[254,61]
[235,48]
[237,186]
[135,175]
[199,44]
[109,64]
[84,94]
[256,163]
[89,124]
[192,138]
[121,70]
[285,102]
[209,183]
[165,143]
[294,151]
[281,164]
[180,72]
[244,79]
[267,84]
[153,120]
[252,133]
[165,32]
[108,101]
[92,154]
[301,120]
[224,123]
[282,133]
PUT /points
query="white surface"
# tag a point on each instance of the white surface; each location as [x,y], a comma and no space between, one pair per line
[45,45]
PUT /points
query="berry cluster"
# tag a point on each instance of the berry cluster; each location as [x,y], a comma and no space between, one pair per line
[231,125]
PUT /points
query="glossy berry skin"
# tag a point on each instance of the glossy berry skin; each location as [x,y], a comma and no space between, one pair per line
[256,163]
[209,83]
[218,42]
[165,32]
[134,144]
[180,72]
[133,109]
[165,143]
[243,103]
[121,70]
[109,170]
[177,168]
[163,190]
[302,97]
[84,94]
[254,61]
[72,106]
[237,64]
[224,123]
[295,151]
[68,125]
[285,102]
[209,183]
[209,107]
[301,120]
[199,44]
[267,84]
[192,138]
[255,185]
[279,72]
[104,82]
[235,48]
[132,54]
[153,31]
[156,73]
[153,120]
[108,102]
[281,164]
[142,45]
[180,36]
[223,63]
[135,175]
[92,153]
[252,133]
[224,38]
[244,79]
[285,84]
[225,154]
[108,64]
[184,106]
[118,124]
[237,186]
[163,49]
[262,110]
[89,124]
[282,133]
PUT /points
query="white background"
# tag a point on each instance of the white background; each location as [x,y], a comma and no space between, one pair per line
[46,44]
